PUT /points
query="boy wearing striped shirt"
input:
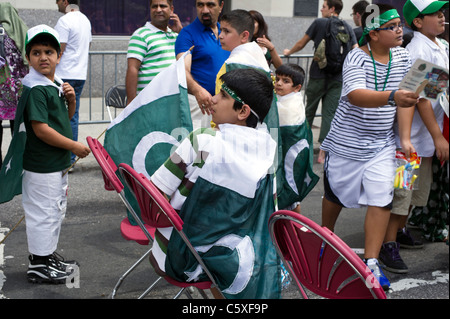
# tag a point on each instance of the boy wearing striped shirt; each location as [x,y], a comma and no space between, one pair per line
[152,47]
[360,161]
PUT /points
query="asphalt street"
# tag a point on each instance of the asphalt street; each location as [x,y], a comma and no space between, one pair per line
[91,235]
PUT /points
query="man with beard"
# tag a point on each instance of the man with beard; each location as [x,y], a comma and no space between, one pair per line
[205,61]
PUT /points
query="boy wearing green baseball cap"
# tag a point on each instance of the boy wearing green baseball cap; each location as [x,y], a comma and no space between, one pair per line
[426,18]
[360,161]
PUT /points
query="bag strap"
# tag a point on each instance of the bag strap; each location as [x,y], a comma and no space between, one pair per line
[2,46]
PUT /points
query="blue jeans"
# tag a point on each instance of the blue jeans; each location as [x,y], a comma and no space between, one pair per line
[78,87]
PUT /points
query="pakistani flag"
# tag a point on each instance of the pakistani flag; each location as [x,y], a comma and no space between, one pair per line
[294,173]
[145,133]
[12,169]
[244,263]
[226,214]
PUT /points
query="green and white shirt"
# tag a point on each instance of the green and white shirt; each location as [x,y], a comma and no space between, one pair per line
[154,48]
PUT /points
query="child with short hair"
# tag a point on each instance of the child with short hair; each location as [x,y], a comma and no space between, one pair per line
[237,29]
[231,161]
[427,20]
[360,162]
[47,154]
[289,79]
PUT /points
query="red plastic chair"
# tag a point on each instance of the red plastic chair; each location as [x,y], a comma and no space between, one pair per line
[156,211]
[142,234]
[320,261]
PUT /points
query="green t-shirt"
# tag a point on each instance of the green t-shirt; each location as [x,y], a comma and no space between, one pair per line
[45,105]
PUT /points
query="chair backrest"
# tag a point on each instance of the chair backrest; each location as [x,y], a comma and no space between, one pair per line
[116,97]
[107,165]
[320,261]
[156,211]
[112,181]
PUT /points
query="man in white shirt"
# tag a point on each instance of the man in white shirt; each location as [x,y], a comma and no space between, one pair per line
[74,30]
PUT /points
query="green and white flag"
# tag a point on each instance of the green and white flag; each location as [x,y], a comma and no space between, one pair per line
[295,175]
[12,169]
[148,129]
[226,212]
[244,262]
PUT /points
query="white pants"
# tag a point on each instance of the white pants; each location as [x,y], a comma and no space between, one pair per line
[44,200]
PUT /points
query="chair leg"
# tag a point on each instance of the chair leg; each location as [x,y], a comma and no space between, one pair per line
[203,294]
[179,293]
[217,294]
[122,278]
[149,288]
[188,292]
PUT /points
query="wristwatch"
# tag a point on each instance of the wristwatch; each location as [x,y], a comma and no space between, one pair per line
[391,100]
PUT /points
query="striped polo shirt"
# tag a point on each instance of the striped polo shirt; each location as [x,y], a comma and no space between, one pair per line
[359,133]
[154,48]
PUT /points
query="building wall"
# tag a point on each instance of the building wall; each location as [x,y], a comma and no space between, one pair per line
[284,30]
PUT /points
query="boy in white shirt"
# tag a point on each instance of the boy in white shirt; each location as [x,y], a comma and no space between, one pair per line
[428,21]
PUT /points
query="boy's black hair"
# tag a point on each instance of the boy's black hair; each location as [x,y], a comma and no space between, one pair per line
[255,88]
[241,20]
[294,71]
[383,8]
[43,39]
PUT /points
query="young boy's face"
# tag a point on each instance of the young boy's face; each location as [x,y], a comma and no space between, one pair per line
[431,25]
[391,38]
[44,60]
[229,37]
[284,85]
[222,109]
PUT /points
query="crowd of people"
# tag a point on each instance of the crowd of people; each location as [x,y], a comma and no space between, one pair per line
[366,117]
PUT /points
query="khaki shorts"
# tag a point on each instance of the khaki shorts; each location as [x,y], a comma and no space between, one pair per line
[403,199]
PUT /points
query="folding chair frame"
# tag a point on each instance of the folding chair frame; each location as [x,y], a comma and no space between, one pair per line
[112,182]
[170,218]
[302,275]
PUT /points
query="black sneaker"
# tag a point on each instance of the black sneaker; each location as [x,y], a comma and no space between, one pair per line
[390,257]
[66,263]
[50,269]
[405,240]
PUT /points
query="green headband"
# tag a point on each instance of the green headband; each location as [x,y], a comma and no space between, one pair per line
[378,22]
[237,98]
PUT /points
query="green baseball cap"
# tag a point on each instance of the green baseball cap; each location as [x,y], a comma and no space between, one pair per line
[41,29]
[413,8]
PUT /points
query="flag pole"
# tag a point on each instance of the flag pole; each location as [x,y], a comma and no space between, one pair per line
[23,217]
